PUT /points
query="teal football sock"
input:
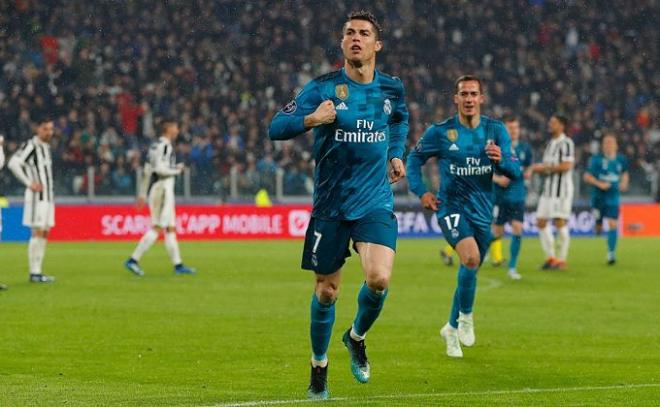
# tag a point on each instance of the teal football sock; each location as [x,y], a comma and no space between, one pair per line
[323,317]
[467,287]
[516,242]
[370,303]
[611,240]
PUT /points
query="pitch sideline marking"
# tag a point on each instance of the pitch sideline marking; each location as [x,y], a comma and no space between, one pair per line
[492,283]
[439,395]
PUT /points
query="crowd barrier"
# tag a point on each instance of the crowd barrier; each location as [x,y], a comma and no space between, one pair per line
[209,222]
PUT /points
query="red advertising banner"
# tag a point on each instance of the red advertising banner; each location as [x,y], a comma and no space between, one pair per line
[640,219]
[124,222]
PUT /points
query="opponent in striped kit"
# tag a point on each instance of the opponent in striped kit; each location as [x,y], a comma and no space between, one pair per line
[32,165]
[557,197]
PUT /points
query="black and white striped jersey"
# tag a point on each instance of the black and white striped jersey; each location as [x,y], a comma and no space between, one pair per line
[161,165]
[559,185]
[33,163]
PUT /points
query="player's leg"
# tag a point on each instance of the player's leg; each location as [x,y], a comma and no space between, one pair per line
[447,255]
[36,253]
[563,209]
[42,218]
[612,233]
[517,216]
[325,250]
[545,232]
[516,243]
[156,200]
[499,215]
[459,233]
[168,217]
[375,240]
[564,241]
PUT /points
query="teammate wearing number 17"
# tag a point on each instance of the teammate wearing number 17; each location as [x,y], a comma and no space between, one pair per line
[360,123]
[469,148]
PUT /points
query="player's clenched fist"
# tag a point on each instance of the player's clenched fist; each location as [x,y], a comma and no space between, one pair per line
[323,114]
[430,201]
[494,152]
[397,170]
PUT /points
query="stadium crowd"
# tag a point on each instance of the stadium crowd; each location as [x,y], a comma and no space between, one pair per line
[108,72]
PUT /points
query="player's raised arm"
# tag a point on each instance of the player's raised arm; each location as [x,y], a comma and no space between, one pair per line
[306,111]
[507,163]
[427,147]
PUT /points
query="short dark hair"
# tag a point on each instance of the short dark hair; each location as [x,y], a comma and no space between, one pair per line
[467,78]
[510,118]
[562,119]
[366,16]
[43,118]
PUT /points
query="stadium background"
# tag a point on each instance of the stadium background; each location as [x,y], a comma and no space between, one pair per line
[109,72]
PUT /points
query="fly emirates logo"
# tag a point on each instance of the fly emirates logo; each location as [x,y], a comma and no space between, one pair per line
[365,133]
[472,167]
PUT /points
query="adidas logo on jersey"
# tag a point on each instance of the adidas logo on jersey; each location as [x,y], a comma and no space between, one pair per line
[341,106]
[453,147]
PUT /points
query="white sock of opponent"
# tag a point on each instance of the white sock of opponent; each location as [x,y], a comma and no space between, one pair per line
[36,250]
[547,241]
[146,242]
[564,238]
[172,247]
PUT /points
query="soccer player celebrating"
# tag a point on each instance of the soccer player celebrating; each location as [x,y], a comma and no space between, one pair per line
[608,174]
[557,196]
[360,123]
[469,147]
[161,172]
[32,165]
[510,200]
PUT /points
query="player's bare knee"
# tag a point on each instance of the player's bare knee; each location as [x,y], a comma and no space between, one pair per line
[471,261]
[326,291]
[541,223]
[378,282]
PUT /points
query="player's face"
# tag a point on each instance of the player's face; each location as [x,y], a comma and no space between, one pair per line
[555,126]
[609,146]
[172,131]
[45,131]
[469,98]
[513,127]
[359,43]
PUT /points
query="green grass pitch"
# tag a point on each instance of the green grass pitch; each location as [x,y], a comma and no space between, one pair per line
[238,331]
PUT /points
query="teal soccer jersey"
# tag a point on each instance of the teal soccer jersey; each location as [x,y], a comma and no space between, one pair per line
[466,172]
[351,154]
[607,170]
[516,190]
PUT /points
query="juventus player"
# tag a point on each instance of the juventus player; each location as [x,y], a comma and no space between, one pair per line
[557,198]
[32,165]
[160,172]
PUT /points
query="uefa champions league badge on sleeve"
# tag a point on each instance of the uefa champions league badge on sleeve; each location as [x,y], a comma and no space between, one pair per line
[290,107]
